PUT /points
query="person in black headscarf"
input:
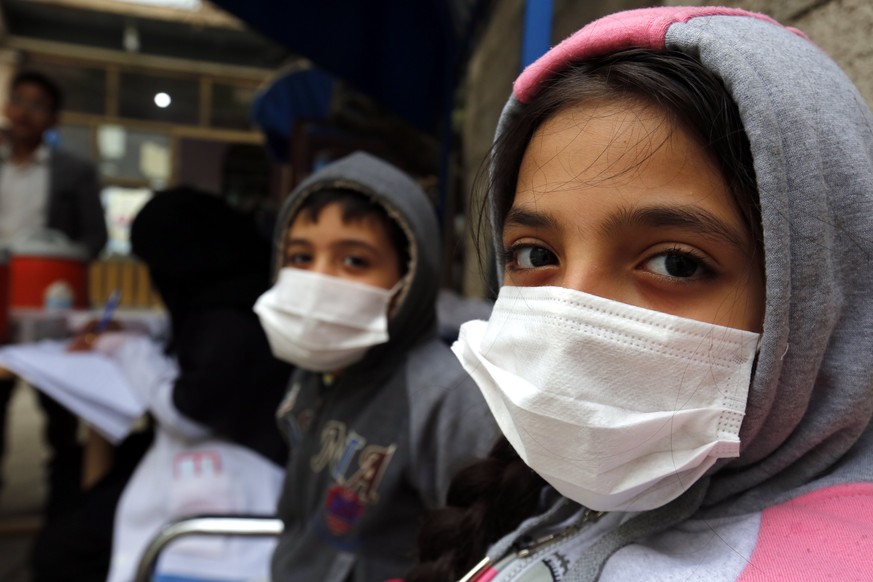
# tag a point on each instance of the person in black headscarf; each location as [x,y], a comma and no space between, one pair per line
[208,263]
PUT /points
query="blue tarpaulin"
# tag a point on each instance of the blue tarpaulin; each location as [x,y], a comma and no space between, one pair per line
[405,54]
[296,95]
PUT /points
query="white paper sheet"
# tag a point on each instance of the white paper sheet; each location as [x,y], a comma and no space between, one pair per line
[89,384]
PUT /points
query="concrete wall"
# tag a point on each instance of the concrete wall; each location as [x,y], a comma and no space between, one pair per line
[493,67]
[841,27]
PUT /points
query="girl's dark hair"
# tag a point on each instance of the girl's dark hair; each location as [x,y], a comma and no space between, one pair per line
[492,497]
[691,96]
[357,206]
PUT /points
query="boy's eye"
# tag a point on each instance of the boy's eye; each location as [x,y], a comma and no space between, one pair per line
[531,257]
[298,259]
[356,262]
[678,265]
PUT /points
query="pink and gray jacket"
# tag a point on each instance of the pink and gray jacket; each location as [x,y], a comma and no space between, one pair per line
[798,502]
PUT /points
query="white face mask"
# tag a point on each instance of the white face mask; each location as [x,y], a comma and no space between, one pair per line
[322,323]
[619,408]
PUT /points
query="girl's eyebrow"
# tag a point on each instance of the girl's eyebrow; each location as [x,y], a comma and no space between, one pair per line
[690,218]
[530,219]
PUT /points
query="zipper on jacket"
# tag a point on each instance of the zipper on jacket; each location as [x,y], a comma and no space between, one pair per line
[526,547]
[326,394]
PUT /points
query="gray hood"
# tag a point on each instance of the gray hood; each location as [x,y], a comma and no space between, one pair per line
[809,410]
[406,203]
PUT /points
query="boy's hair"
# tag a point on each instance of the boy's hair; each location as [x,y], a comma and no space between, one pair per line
[49,87]
[357,206]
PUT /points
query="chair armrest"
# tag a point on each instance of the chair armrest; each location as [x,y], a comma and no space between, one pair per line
[210,525]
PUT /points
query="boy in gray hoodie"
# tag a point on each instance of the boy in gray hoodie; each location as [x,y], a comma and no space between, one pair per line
[379,414]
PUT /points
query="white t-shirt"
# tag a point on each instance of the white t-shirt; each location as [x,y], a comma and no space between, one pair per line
[187,471]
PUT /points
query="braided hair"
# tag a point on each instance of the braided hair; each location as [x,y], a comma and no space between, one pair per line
[486,501]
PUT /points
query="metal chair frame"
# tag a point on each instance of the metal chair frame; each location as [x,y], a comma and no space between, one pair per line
[209,525]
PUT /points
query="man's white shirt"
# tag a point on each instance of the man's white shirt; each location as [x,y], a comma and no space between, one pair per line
[23,193]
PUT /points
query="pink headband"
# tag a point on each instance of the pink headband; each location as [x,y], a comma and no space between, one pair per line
[644,28]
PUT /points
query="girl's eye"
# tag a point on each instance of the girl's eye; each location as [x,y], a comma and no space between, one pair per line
[678,264]
[531,257]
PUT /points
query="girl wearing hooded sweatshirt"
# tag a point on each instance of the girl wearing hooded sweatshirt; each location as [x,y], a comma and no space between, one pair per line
[379,414]
[682,200]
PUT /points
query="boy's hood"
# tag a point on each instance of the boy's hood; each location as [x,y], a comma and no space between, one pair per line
[811,134]
[406,203]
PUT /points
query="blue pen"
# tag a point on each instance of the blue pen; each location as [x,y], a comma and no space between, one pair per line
[108,310]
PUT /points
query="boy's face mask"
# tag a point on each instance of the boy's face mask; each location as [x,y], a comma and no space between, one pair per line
[322,323]
[618,407]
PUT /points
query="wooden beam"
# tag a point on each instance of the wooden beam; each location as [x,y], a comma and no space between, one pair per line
[173,129]
[137,60]
[113,90]
[206,15]
[205,110]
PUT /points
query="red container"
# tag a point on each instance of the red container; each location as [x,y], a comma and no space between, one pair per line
[47,270]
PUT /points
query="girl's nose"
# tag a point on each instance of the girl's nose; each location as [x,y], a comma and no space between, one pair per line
[594,279]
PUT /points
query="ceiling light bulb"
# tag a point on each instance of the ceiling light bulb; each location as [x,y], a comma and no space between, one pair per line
[162,100]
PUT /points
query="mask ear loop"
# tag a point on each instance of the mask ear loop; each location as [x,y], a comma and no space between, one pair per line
[395,292]
[397,286]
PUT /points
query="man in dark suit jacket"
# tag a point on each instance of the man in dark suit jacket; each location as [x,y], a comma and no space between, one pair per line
[44,187]
[74,201]
[73,189]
